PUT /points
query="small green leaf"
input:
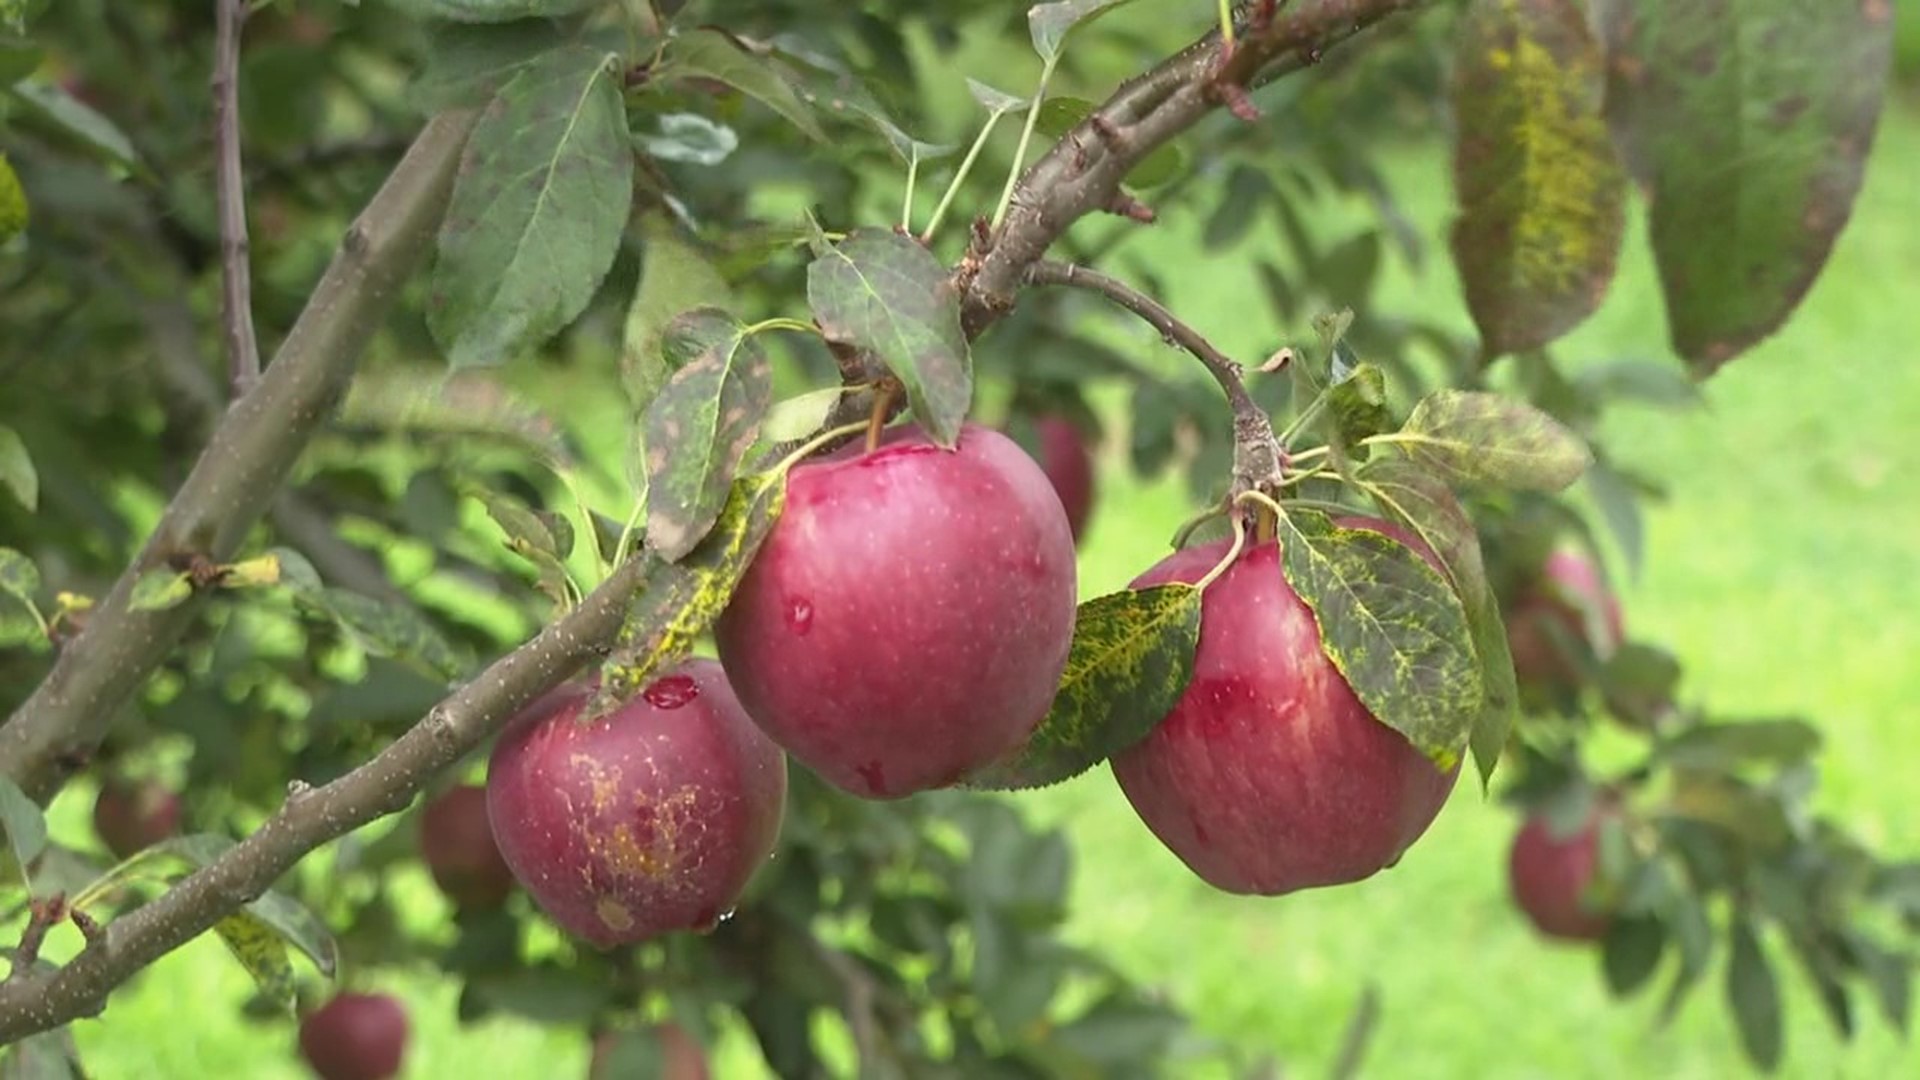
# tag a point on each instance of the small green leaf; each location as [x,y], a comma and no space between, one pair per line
[26,826]
[1726,745]
[994,100]
[679,600]
[674,278]
[1721,106]
[251,573]
[1417,499]
[390,630]
[13,222]
[542,538]
[1615,496]
[1639,682]
[18,576]
[800,415]
[701,425]
[883,292]
[1692,935]
[1131,659]
[1392,626]
[1754,996]
[711,54]
[1631,953]
[1050,24]
[489,11]
[1357,404]
[76,121]
[262,952]
[1891,976]
[1059,115]
[1542,193]
[1476,437]
[543,192]
[467,64]
[159,589]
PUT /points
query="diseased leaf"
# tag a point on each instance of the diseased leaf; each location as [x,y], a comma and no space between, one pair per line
[1763,111]
[1357,404]
[701,425]
[1541,191]
[26,826]
[1474,437]
[1392,626]
[159,589]
[1631,953]
[1050,24]
[674,278]
[489,11]
[468,63]
[1754,996]
[1411,496]
[1131,659]
[681,599]
[544,188]
[883,292]
[262,952]
[712,54]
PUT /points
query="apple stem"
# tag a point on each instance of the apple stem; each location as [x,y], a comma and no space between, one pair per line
[1233,553]
[877,420]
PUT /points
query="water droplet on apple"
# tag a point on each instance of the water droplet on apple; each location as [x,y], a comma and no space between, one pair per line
[800,615]
[671,692]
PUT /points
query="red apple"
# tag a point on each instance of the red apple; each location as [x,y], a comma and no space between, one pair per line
[1569,587]
[646,821]
[681,1058]
[1550,876]
[908,618]
[131,817]
[1269,775]
[1069,467]
[355,1037]
[456,842]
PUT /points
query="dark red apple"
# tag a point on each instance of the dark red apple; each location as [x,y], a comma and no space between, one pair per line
[1069,467]
[646,821]
[355,1037]
[133,816]
[908,618]
[456,842]
[1269,775]
[681,1058]
[1568,588]
[1550,875]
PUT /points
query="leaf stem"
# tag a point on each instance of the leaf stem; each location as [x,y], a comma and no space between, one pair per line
[906,201]
[817,442]
[1312,453]
[1026,136]
[960,175]
[877,419]
[780,322]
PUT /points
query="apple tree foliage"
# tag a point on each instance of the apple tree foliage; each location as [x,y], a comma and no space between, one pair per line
[668,250]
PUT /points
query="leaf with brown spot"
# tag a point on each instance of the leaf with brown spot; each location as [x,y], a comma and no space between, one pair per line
[700,425]
[1749,126]
[1541,191]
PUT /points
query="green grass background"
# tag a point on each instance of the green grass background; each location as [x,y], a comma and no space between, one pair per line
[1785,572]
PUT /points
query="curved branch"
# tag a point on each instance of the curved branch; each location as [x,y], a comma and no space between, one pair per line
[1083,171]
[313,816]
[242,469]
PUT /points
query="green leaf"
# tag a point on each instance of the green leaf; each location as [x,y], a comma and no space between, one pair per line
[674,278]
[679,600]
[13,222]
[1639,682]
[1723,106]
[1617,500]
[543,192]
[1542,194]
[548,993]
[1050,24]
[1662,385]
[1891,976]
[543,538]
[262,952]
[1131,659]
[1357,404]
[1754,996]
[25,825]
[1059,115]
[159,589]
[18,576]
[288,921]
[389,630]
[800,415]
[1474,437]
[701,425]
[76,121]
[50,1055]
[460,405]
[467,64]
[711,54]
[489,11]
[1417,499]
[1726,745]
[1392,626]
[994,100]
[1631,953]
[18,59]
[883,292]
[1692,935]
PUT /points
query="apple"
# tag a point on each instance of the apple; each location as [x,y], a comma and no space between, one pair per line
[133,816]
[1065,459]
[355,1037]
[456,842]
[1568,587]
[681,1058]
[646,821]
[1269,775]
[908,617]
[1550,876]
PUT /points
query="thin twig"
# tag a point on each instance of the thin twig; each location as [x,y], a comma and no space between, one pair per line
[243,349]
[1257,457]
